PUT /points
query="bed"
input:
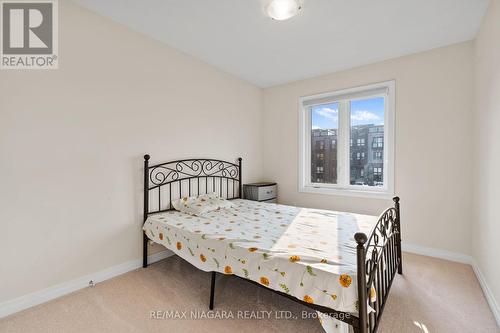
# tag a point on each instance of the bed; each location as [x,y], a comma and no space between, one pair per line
[318,258]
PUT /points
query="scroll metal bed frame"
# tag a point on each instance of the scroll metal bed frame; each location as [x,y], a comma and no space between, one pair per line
[378,254]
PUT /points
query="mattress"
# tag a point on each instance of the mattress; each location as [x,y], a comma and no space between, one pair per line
[307,253]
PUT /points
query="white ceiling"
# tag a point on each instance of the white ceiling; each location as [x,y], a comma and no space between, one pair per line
[328,35]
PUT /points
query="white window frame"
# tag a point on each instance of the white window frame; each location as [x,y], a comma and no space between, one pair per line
[343,187]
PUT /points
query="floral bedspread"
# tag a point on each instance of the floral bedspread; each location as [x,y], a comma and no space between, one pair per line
[307,253]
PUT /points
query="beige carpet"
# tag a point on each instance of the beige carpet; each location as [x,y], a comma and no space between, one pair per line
[433,296]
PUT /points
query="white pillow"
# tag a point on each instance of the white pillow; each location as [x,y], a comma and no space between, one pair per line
[200,204]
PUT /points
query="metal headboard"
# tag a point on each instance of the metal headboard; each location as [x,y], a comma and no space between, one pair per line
[176,179]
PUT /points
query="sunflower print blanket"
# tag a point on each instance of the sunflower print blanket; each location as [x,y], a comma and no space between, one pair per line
[307,253]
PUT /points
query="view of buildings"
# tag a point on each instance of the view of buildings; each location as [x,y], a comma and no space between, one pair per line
[367,155]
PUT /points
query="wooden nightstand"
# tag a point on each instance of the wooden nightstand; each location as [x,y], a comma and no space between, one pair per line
[263,192]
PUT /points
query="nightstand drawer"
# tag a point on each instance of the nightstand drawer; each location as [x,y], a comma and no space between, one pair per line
[263,192]
[267,192]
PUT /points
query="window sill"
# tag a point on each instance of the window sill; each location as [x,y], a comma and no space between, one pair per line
[347,192]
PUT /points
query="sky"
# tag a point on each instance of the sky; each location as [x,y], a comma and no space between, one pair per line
[363,112]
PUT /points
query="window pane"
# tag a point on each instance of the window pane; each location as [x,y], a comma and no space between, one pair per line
[325,124]
[367,142]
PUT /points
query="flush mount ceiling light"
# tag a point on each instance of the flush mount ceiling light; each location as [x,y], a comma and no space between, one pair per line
[283,9]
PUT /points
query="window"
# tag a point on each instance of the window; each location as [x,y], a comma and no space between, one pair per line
[323,119]
[360,161]
[378,142]
[360,155]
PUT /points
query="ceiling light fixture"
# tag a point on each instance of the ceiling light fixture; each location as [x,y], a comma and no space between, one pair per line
[283,9]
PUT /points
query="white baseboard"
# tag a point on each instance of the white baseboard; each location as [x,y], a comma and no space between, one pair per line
[487,292]
[437,253]
[462,258]
[45,295]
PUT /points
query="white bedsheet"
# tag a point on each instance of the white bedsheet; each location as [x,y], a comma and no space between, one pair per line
[307,253]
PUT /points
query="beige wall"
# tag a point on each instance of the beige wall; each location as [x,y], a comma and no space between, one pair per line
[433,143]
[72,140]
[486,227]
